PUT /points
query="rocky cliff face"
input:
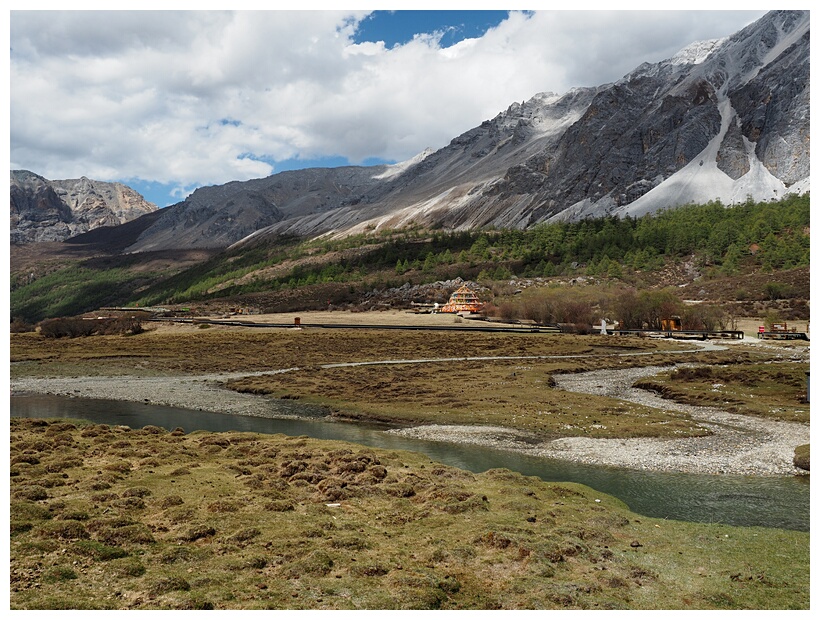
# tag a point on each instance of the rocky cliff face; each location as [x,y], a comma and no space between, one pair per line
[722,126]
[43,210]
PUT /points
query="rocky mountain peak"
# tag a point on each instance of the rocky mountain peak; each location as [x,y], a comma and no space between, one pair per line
[43,210]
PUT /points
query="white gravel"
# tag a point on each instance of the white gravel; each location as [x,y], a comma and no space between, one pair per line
[202,392]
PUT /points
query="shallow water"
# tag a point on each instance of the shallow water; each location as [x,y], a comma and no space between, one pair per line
[781,502]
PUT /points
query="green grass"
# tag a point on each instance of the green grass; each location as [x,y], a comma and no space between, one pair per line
[150,519]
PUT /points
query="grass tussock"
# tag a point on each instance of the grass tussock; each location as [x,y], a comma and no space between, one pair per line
[245,521]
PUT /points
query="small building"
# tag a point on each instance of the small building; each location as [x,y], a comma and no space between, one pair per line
[462,300]
[672,324]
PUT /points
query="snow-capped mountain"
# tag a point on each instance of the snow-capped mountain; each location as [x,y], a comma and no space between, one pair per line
[721,120]
[725,127]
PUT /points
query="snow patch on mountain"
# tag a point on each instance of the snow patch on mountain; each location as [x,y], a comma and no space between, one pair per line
[696,53]
[701,180]
[394,170]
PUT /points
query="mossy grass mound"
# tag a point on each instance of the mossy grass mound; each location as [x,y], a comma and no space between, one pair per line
[186,522]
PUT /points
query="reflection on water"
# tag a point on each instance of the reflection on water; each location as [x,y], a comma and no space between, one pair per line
[781,502]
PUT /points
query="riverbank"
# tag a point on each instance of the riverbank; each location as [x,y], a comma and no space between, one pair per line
[740,445]
[490,389]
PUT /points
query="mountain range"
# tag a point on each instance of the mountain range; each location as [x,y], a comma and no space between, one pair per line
[723,120]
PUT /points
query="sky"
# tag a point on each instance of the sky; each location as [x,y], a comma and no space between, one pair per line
[167,101]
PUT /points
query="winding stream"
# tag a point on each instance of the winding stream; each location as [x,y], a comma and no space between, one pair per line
[780,502]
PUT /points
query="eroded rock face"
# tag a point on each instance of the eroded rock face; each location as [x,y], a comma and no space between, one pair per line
[43,210]
[37,213]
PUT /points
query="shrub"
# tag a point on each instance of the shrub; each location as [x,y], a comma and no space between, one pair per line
[66,328]
[20,326]
[778,290]
[79,327]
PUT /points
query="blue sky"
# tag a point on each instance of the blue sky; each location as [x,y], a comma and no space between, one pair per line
[170,101]
[399,27]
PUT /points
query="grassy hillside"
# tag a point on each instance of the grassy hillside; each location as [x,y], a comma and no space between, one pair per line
[709,243]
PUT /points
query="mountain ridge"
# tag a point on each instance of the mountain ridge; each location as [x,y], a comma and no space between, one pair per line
[722,120]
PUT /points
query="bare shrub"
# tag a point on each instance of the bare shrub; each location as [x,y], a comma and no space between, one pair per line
[79,327]
[66,328]
[507,311]
[21,326]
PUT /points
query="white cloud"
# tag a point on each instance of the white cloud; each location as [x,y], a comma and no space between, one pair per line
[195,98]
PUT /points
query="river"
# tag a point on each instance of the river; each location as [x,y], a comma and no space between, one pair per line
[779,502]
